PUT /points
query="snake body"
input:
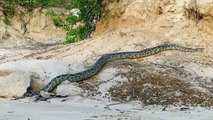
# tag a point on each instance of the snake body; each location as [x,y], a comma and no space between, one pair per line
[96,67]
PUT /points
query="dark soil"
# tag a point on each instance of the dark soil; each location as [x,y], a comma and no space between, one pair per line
[156,84]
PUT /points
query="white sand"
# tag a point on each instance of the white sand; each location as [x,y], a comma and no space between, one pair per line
[77,108]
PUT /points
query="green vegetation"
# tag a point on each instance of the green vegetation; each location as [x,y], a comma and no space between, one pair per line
[58,22]
[51,12]
[7,21]
[75,34]
[106,15]
[78,26]
[34,2]
[81,25]
[9,10]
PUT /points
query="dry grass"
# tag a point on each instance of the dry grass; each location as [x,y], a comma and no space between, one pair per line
[193,12]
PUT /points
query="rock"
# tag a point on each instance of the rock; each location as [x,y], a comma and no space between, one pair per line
[68,90]
[21,74]
[13,83]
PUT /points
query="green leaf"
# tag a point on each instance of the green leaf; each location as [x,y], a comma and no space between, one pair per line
[58,22]
[72,19]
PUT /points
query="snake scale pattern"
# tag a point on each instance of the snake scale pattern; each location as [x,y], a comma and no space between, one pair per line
[96,67]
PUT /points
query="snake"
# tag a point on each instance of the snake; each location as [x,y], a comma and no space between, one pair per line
[98,65]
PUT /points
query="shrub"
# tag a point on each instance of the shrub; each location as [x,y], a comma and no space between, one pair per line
[89,13]
[6,21]
[9,10]
[72,19]
[58,22]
